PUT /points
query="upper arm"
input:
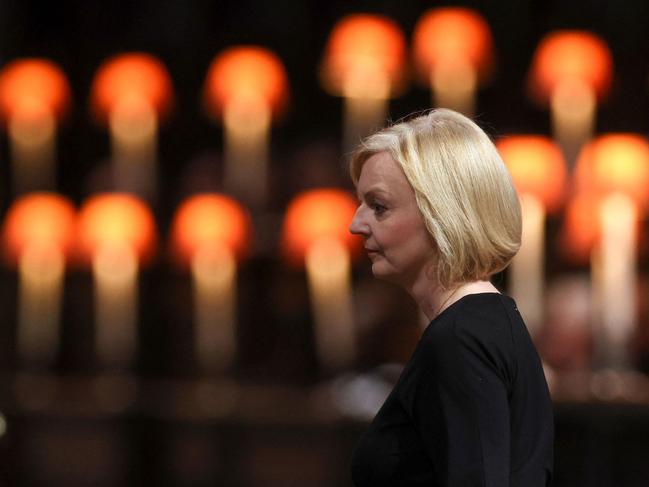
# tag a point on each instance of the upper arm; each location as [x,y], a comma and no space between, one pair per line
[461,410]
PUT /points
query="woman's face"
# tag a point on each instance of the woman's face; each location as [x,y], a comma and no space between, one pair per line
[388,219]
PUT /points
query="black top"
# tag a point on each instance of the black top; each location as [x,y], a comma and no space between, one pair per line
[471,407]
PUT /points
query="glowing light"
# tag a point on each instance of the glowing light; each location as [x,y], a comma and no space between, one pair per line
[538,170]
[615,167]
[316,233]
[364,62]
[38,233]
[315,215]
[34,93]
[116,233]
[616,162]
[209,219]
[210,231]
[537,167]
[570,55]
[571,70]
[453,53]
[128,80]
[130,93]
[246,86]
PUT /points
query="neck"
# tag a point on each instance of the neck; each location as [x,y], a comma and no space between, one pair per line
[432,298]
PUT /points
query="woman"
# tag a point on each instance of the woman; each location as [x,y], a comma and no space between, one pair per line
[439,216]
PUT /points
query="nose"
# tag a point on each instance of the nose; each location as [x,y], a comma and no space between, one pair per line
[358,226]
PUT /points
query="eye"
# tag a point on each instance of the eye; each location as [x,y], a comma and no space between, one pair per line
[378,208]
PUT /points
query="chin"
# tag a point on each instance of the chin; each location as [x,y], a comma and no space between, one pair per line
[380,271]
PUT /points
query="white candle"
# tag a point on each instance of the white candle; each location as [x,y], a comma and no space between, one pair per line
[41,270]
[214,275]
[328,272]
[618,215]
[453,86]
[247,129]
[32,144]
[115,270]
[527,268]
[134,128]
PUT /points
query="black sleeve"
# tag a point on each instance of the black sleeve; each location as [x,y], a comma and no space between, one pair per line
[461,405]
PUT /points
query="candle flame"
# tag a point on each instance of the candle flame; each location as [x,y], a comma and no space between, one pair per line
[365,58]
[537,167]
[248,76]
[116,219]
[579,56]
[318,214]
[133,79]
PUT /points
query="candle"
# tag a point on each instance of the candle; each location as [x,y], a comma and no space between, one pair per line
[130,92]
[34,94]
[364,62]
[116,236]
[315,234]
[538,170]
[245,87]
[615,167]
[453,54]
[210,232]
[571,70]
[38,233]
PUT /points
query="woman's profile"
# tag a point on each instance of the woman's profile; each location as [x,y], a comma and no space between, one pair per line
[439,216]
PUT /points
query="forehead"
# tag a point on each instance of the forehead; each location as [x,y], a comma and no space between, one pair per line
[381,171]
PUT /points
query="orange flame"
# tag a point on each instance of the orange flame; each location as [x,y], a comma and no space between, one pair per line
[318,214]
[581,230]
[537,167]
[209,219]
[364,46]
[132,78]
[119,219]
[450,35]
[39,219]
[246,74]
[33,87]
[615,162]
[576,56]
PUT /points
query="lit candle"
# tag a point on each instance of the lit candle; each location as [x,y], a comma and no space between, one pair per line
[616,168]
[538,170]
[246,87]
[210,233]
[571,71]
[453,55]
[364,62]
[34,94]
[130,93]
[38,233]
[116,234]
[316,234]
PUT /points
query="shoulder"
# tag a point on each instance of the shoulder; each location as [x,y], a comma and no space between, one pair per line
[478,327]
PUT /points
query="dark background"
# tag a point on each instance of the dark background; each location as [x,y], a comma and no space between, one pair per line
[262,423]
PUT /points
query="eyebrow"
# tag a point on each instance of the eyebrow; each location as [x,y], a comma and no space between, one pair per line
[373,192]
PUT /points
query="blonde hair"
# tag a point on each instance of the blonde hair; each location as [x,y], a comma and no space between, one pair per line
[463,190]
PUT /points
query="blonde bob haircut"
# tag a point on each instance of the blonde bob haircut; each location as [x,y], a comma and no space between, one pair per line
[463,190]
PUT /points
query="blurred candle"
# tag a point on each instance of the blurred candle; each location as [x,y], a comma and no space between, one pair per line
[364,62]
[571,70]
[538,170]
[34,94]
[116,234]
[210,233]
[616,168]
[246,86]
[130,93]
[316,233]
[38,234]
[453,53]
